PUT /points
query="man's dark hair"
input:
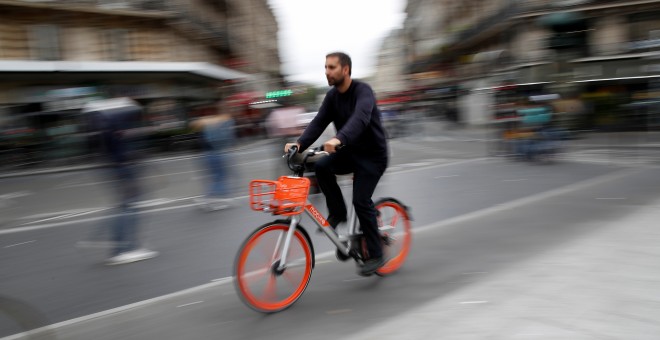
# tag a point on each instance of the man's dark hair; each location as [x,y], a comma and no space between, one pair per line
[344,60]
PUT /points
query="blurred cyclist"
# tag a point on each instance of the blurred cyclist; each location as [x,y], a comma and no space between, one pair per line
[351,106]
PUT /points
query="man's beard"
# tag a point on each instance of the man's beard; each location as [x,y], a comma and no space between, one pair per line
[336,82]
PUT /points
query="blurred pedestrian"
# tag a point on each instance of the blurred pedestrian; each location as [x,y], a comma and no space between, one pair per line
[118,121]
[283,126]
[218,133]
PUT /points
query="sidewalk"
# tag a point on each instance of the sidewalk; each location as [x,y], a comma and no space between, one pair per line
[605,286]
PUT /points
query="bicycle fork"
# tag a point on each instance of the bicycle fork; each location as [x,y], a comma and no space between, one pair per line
[293,224]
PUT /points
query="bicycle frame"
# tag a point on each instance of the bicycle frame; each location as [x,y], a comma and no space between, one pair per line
[323,224]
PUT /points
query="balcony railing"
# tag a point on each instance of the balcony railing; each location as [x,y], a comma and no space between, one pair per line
[211,31]
[504,14]
[149,5]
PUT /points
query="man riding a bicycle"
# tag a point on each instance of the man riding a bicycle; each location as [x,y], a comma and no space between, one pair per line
[351,106]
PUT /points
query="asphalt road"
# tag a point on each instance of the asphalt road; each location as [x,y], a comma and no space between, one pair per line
[473,217]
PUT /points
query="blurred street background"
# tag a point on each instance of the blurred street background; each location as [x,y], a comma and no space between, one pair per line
[524,135]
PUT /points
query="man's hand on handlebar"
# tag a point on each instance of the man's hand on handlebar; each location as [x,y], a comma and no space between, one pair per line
[288,146]
[332,145]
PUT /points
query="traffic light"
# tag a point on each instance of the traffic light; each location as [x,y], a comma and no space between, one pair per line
[278,94]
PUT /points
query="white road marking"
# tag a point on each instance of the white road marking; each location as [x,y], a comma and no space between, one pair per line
[611,198]
[446,176]
[443,165]
[412,165]
[16,194]
[74,213]
[514,180]
[190,304]
[75,185]
[173,159]
[526,200]
[474,273]
[19,244]
[473,302]
[338,311]
[56,213]
[153,202]
[358,279]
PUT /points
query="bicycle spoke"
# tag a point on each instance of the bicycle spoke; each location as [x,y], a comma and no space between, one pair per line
[293,281]
[394,220]
[270,289]
[297,264]
[255,275]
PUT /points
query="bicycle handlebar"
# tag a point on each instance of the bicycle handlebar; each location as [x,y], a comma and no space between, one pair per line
[299,169]
[293,150]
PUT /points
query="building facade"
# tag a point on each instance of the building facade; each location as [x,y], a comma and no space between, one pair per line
[172,56]
[569,47]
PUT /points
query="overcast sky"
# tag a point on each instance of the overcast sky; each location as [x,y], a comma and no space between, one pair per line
[310,29]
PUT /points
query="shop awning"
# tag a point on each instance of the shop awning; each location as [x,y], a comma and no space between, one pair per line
[206,70]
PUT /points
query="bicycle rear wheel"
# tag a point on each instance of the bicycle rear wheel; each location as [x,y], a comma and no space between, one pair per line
[257,279]
[395,228]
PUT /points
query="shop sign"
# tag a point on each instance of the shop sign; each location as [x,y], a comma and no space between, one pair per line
[69,98]
[68,103]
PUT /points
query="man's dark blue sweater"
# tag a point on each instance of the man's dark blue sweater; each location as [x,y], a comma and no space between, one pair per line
[356,118]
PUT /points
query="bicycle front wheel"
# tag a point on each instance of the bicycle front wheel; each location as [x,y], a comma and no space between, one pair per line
[395,230]
[259,281]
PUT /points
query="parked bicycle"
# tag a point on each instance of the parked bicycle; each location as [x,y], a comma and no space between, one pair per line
[274,264]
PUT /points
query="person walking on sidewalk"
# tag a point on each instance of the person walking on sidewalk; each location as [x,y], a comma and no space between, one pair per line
[218,135]
[118,122]
[351,106]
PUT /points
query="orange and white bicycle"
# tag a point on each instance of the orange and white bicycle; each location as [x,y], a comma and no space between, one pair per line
[274,264]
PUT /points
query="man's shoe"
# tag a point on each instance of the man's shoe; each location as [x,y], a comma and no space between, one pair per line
[335,221]
[371,266]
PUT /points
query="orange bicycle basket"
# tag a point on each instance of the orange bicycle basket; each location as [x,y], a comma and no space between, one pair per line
[286,196]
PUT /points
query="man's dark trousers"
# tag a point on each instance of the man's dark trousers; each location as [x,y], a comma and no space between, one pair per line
[367,171]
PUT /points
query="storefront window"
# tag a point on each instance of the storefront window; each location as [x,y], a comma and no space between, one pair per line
[645,32]
[45,42]
[116,44]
